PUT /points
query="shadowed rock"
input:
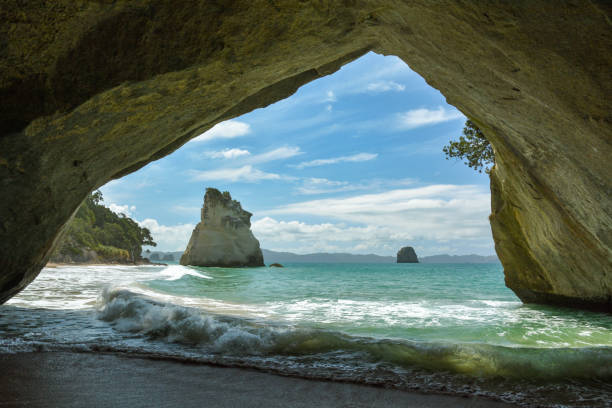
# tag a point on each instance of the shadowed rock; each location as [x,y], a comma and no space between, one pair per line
[92,91]
[223,237]
[407,255]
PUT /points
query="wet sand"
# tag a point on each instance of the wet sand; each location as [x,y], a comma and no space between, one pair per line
[62,379]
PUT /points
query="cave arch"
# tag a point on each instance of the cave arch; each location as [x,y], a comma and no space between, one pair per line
[92,92]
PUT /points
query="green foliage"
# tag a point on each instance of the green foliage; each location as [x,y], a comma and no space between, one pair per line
[473,147]
[114,238]
[110,252]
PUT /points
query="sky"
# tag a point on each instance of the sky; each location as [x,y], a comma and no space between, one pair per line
[351,162]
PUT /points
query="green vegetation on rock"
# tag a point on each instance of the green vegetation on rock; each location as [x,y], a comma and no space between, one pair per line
[96,234]
[474,147]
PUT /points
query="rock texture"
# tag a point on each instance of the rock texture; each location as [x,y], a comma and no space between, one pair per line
[407,255]
[223,237]
[91,91]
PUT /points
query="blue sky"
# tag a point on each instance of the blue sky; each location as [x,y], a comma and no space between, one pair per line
[351,162]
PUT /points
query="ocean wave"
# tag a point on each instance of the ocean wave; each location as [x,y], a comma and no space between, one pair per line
[230,336]
[176,272]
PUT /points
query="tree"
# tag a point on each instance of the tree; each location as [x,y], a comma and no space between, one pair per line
[146,237]
[95,198]
[95,227]
[474,147]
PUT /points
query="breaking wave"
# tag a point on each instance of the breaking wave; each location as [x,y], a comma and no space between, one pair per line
[235,337]
[426,329]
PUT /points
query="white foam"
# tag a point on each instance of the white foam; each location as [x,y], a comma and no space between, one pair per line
[176,272]
[130,312]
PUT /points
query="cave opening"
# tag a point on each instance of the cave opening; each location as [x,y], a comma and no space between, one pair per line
[352,163]
[89,110]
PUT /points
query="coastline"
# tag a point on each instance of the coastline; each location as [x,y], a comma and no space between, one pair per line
[46,379]
[59,264]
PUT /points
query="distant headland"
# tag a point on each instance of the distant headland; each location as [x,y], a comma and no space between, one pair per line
[324,257]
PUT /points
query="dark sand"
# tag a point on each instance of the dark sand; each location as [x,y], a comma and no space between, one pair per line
[61,379]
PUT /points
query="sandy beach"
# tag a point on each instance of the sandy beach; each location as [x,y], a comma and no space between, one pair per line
[62,379]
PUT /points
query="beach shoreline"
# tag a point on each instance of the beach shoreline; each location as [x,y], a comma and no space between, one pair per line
[70,379]
[61,264]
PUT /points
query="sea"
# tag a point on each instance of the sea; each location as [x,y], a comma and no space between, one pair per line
[442,328]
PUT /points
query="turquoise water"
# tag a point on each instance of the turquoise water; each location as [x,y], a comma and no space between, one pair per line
[421,302]
[452,328]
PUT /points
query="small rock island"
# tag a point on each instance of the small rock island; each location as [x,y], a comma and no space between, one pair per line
[407,255]
[223,237]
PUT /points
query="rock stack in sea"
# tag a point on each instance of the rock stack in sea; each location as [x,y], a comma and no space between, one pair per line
[407,255]
[223,237]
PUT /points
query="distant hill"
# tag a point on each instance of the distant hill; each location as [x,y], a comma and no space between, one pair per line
[156,256]
[324,257]
[459,259]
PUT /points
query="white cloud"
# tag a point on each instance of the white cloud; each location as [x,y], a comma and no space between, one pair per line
[168,238]
[227,154]
[246,173]
[385,86]
[321,162]
[435,212]
[280,153]
[315,185]
[276,154]
[330,97]
[122,209]
[424,117]
[311,186]
[225,130]
[301,237]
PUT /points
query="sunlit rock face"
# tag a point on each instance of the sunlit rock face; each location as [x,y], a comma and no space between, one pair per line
[91,91]
[223,236]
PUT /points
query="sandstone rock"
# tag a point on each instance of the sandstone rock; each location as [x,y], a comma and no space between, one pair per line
[91,91]
[223,237]
[276,265]
[407,255]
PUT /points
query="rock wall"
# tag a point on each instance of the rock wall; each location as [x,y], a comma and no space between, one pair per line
[407,255]
[223,236]
[91,91]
